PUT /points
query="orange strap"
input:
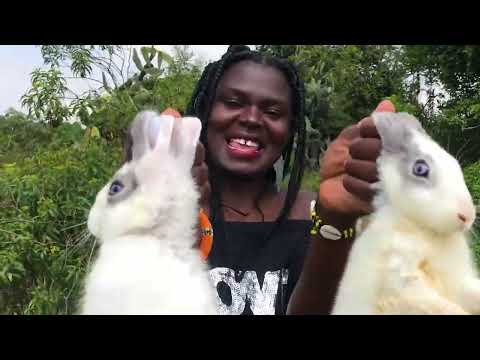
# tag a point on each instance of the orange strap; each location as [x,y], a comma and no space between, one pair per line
[206,235]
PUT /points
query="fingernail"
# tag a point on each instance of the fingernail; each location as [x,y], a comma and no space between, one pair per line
[385,106]
[172,112]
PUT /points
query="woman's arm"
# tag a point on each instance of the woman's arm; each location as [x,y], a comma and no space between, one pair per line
[347,171]
[322,270]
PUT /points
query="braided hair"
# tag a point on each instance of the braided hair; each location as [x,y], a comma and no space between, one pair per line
[201,105]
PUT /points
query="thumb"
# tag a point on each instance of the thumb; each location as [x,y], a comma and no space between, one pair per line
[385,106]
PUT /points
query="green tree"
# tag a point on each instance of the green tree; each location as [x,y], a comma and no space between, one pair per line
[343,83]
[451,76]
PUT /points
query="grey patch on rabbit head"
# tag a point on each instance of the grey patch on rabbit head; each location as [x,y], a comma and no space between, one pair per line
[400,133]
[396,130]
[130,183]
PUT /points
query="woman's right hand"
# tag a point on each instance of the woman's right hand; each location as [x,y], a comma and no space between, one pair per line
[200,175]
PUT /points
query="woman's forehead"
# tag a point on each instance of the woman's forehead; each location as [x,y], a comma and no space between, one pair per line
[257,79]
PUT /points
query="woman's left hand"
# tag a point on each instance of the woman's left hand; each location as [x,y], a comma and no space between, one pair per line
[349,168]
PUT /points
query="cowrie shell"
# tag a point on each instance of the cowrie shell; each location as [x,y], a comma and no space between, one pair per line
[330,232]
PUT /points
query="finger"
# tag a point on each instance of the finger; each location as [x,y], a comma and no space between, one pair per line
[333,195]
[358,188]
[385,106]
[366,149]
[362,169]
[367,128]
[349,133]
[200,174]
[199,155]
[332,162]
[205,192]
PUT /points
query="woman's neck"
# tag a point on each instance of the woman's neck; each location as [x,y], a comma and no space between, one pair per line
[241,198]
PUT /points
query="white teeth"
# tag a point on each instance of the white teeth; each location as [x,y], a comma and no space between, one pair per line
[245,142]
[239,141]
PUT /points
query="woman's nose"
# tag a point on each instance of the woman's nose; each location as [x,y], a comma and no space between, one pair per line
[251,116]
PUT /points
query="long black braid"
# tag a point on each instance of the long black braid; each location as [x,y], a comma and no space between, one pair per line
[201,104]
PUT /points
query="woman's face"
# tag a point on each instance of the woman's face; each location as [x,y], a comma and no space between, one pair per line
[249,123]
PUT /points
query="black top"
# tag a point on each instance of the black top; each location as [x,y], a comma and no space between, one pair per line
[254,274]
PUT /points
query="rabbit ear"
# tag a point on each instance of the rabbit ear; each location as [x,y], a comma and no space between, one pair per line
[191,128]
[396,130]
[185,138]
[162,129]
[137,135]
[150,131]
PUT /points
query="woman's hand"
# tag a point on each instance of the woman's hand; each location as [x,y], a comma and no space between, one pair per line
[349,168]
[200,175]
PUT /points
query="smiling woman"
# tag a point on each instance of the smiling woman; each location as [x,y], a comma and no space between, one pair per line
[251,107]
[250,119]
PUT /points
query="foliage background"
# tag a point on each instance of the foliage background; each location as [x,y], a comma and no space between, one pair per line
[51,168]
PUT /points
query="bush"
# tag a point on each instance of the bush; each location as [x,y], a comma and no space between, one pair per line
[20,137]
[472,178]
[111,113]
[311,180]
[44,202]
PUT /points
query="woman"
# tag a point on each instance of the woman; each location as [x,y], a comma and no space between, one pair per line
[263,256]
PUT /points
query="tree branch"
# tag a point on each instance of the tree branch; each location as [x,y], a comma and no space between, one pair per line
[86,78]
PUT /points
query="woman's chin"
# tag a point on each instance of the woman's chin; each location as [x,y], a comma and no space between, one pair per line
[243,172]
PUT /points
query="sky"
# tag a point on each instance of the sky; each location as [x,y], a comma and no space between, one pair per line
[18,61]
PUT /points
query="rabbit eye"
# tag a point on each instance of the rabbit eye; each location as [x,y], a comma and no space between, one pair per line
[421,168]
[115,188]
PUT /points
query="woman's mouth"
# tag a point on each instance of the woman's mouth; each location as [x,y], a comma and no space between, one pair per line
[244,148]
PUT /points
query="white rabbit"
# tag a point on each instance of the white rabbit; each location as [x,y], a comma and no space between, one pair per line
[413,257]
[145,220]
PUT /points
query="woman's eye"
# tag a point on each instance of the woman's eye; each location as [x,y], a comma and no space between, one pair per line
[274,113]
[232,102]
[115,188]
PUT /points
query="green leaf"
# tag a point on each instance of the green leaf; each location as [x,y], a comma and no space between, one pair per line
[136,60]
[165,57]
[95,133]
[148,54]
[105,84]
[153,71]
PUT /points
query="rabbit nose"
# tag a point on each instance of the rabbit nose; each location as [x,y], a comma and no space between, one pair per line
[466,212]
